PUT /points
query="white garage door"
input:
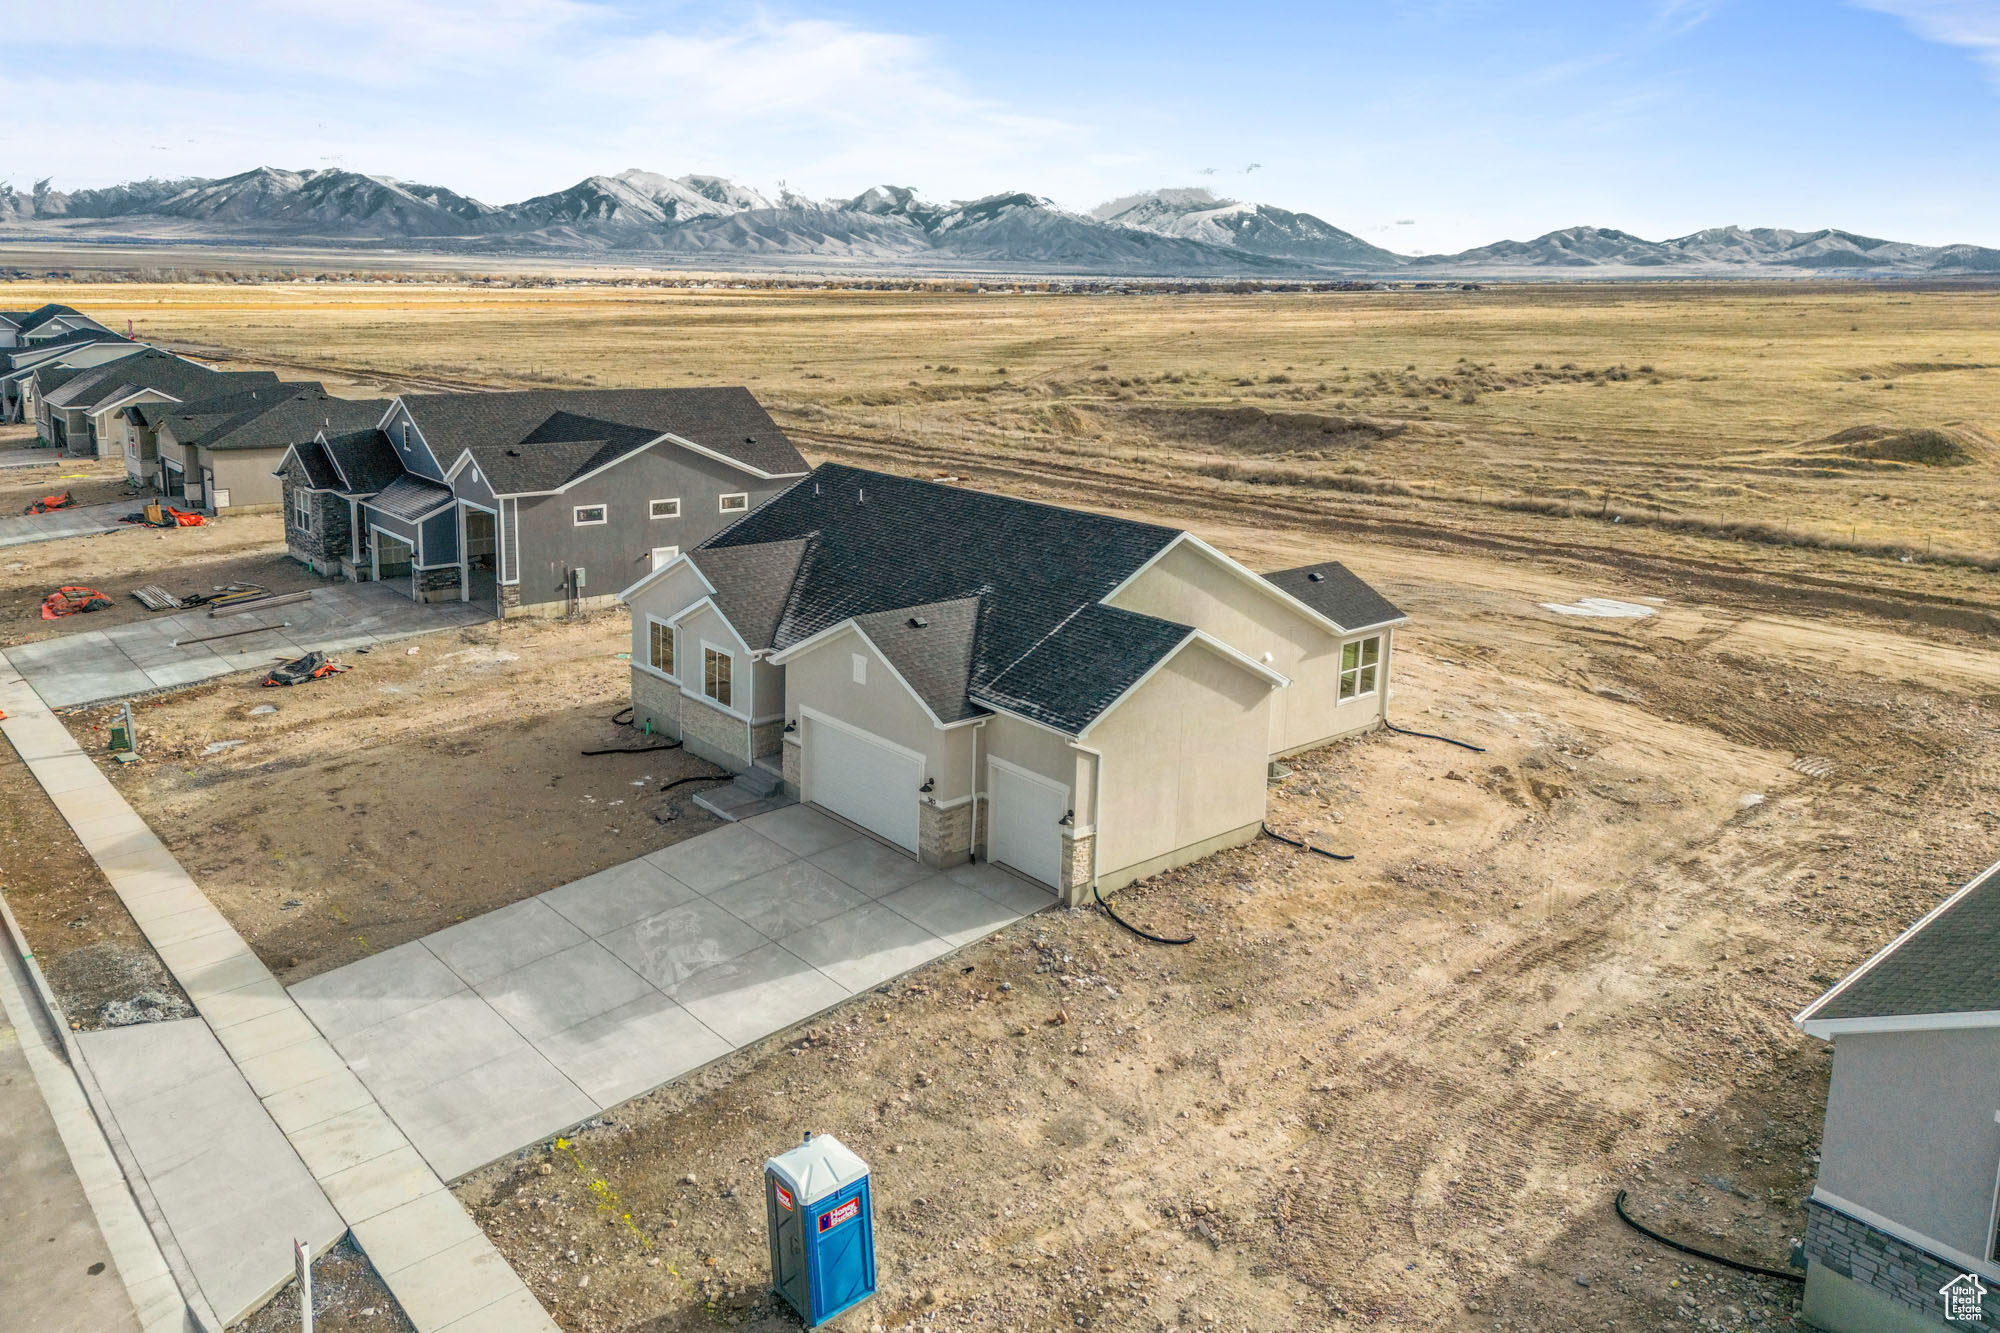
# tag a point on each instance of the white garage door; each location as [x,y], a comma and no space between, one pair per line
[862,779]
[1023,822]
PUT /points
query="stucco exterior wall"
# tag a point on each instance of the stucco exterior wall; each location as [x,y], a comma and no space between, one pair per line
[618,552]
[663,600]
[1042,752]
[822,679]
[1910,1132]
[247,475]
[1189,587]
[1184,760]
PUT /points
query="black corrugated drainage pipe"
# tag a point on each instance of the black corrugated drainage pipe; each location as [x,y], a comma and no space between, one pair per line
[1737,1264]
[1142,934]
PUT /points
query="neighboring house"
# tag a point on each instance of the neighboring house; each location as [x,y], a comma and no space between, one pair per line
[47,323]
[537,502]
[1904,1206]
[77,350]
[222,453]
[81,411]
[1084,699]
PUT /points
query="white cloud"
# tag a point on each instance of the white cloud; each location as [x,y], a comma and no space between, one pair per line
[503,98]
[1972,24]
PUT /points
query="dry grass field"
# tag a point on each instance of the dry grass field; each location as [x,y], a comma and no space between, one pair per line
[1397,1092]
[1835,416]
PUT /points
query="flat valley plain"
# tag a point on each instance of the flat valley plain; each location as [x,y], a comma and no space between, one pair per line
[1397,1092]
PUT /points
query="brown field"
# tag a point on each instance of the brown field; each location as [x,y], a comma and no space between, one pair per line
[1397,1092]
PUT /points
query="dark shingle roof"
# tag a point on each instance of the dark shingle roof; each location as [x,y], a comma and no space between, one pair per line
[1080,670]
[932,647]
[410,497]
[1949,964]
[884,543]
[270,417]
[751,584]
[156,370]
[1337,593]
[320,474]
[29,320]
[85,337]
[531,441]
[366,459]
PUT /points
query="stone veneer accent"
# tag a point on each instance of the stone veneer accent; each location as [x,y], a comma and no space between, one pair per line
[1076,857]
[944,834]
[793,752]
[1876,1260]
[437,585]
[656,701]
[713,734]
[510,599]
[324,546]
[766,737]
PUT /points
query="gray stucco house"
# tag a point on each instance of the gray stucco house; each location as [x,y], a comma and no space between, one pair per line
[76,349]
[1083,699]
[1905,1204]
[221,454]
[539,502]
[81,410]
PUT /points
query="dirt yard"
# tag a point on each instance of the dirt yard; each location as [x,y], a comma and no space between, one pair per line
[439,778]
[1393,1092]
[238,549]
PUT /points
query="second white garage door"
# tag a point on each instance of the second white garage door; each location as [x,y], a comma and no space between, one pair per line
[864,780]
[1024,813]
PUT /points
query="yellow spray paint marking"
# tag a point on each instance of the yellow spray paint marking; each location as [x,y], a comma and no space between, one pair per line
[608,1202]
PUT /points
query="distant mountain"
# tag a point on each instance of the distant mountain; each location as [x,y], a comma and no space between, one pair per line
[1185,232]
[1258,229]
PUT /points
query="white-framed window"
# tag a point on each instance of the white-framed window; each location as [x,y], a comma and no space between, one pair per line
[589,516]
[302,509]
[715,672]
[1360,663]
[736,503]
[665,508]
[660,646]
[409,434]
[662,554]
[860,669]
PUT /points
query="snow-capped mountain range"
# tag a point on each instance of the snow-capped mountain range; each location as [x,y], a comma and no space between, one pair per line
[1160,233]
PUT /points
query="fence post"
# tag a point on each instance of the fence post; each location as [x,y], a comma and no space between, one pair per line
[302,1260]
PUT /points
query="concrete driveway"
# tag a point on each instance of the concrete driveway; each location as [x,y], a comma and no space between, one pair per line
[21,529]
[488,1035]
[99,665]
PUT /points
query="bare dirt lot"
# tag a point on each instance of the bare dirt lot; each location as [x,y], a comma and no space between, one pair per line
[1396,1092]
[435,780]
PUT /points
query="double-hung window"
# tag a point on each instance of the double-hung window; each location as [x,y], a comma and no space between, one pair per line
[715,667]
[1360,661]
[660,653]
[302,512]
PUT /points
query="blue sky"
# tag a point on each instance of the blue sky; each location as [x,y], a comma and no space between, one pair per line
[1425,126]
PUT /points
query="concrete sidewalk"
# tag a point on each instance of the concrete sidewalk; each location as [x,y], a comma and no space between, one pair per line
[440,1267]
[99,665]
[58,1270]
[493,1033]
[81,521]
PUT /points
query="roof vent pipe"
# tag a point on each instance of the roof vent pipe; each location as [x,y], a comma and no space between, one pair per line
[1316,577]
[863,493]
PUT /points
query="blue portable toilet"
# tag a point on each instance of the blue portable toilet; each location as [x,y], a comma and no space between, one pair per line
[822,1228]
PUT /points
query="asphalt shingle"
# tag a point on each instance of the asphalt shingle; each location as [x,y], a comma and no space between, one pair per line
[1950,966]
[1077,672]
[271,417]
[366,458]
[532,440]
[882,543]
[1337,593]
[751,584]
[931,647]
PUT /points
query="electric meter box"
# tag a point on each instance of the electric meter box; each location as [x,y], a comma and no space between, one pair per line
[822,1228]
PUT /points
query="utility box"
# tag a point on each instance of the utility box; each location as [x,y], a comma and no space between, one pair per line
[822,1228]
